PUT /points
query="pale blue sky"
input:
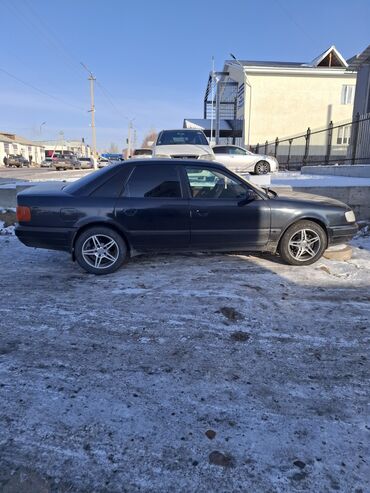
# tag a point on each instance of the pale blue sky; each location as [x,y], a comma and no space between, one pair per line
[152,59]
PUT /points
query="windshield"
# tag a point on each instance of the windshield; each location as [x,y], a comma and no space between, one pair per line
[264,190]
[180,137]
[143,152]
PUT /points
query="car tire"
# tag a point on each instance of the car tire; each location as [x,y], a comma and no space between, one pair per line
[303,243]
[262,168]
[91,252]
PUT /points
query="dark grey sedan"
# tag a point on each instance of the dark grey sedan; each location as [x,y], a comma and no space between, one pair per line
[162,205]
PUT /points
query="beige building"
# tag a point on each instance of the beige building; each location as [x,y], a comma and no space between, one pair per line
[281,99]
[77,147]
[15,144]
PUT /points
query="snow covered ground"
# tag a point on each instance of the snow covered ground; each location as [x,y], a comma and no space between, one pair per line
[186,373]
[296,179]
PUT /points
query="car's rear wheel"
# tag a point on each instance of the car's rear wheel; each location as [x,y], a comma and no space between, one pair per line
[303,243]
[262,168]
[100,250]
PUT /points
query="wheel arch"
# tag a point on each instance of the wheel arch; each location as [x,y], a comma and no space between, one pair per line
[318,220]
[99,222]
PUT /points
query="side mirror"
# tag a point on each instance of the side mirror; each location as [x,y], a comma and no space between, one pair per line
[248,197]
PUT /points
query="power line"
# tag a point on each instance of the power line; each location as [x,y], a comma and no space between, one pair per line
[41,91]
[294,21]
[108,97]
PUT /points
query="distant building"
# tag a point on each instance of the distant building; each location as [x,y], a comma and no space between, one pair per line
[15,144]
[76,147]
[261,100]
[361,64]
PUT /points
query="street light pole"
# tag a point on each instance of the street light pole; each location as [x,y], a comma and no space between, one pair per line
[246,83]
[43,123]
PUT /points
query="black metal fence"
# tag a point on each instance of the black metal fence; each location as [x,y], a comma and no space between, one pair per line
[344,143]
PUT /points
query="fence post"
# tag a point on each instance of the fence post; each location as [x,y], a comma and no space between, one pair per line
[290,147]
[307,146]
[276,145]
[328,145]
[354,137]
[266,145]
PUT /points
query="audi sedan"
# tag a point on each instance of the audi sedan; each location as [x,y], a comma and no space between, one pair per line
[166,206]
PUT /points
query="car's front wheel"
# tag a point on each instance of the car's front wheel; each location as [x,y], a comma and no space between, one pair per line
[262,168]
[100,250]
[303,243]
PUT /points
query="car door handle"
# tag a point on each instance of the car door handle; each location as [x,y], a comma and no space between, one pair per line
[200,213]
[129,212]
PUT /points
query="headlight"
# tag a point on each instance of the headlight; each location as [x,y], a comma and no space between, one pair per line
[350,216]
[162,156]
[207,157]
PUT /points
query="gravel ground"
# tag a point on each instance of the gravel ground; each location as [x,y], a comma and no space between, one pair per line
[192,373]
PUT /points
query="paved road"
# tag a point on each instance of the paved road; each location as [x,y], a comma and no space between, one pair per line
[191,373]
[10,175]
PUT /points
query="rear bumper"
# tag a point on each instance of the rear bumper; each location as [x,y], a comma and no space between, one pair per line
[342,234]
[50,238]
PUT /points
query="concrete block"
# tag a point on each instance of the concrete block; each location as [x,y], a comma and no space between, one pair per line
[355,170]
[338,252]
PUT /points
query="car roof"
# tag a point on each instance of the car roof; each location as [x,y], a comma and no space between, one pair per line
[182,130]
[175,162]
[226,145]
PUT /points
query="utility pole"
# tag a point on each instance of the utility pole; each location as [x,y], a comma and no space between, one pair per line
[92,79]
[130,128]
[129,140]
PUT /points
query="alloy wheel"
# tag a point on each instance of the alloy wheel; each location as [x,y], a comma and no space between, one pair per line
[100,251]
[304,245]
[262,168]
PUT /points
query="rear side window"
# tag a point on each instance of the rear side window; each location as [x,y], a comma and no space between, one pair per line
[153,181]
[112,187]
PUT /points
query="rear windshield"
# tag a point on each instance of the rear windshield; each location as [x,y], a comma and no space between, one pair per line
[85,181]
[143,152]
[178,137]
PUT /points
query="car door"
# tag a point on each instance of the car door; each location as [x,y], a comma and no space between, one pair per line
[223,156]
[152,208]
[221,217]
[241,162]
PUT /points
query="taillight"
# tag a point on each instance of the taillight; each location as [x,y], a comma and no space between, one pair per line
[23,214]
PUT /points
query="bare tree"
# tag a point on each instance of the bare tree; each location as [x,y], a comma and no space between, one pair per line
[113,148]
[150,138]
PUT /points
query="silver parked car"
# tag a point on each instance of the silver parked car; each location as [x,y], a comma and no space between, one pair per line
[240,160]
[183,144]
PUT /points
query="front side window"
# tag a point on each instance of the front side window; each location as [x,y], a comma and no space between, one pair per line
[181,137]
[237,150]
[209,184]
[153,181]
[220,150]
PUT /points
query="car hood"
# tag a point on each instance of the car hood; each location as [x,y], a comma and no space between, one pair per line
[187,149]
[309,197]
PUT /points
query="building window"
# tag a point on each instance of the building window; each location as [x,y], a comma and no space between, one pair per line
[348,93]
[344,135]
[7,148]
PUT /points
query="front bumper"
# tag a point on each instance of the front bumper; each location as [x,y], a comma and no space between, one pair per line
[50,238]
[342,234]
